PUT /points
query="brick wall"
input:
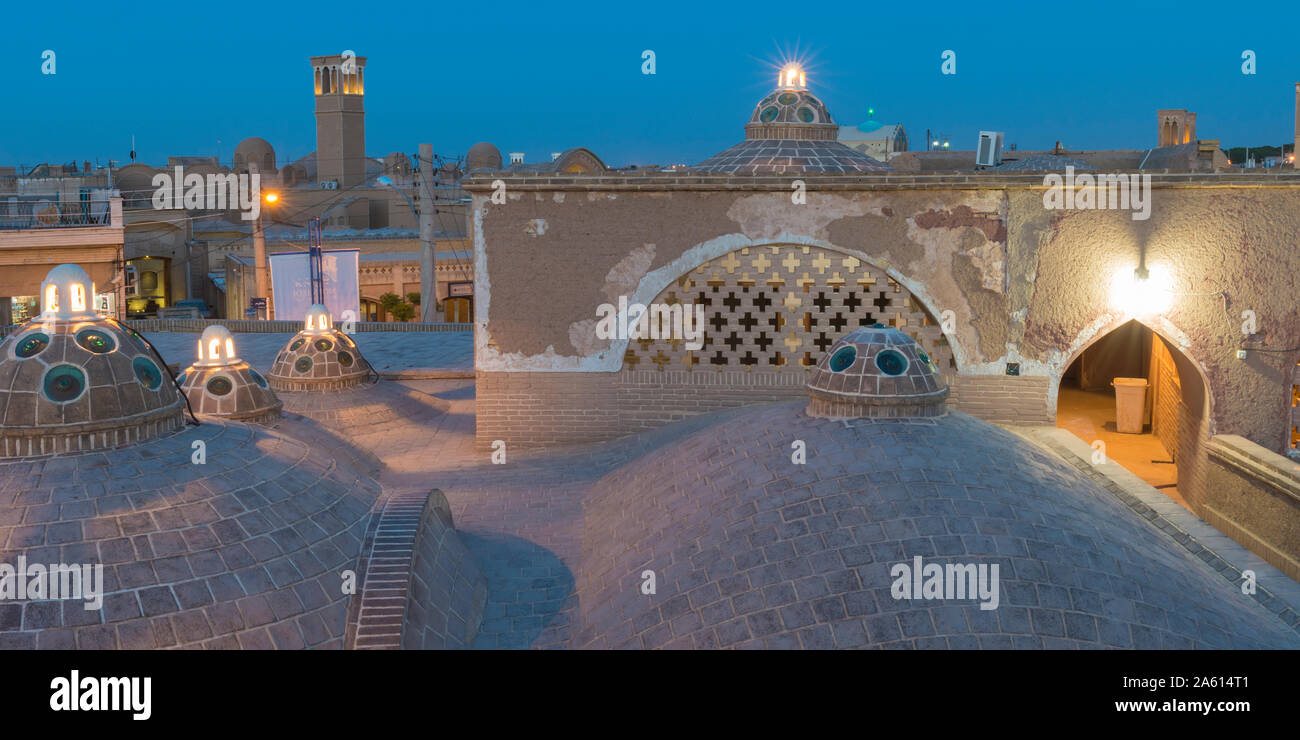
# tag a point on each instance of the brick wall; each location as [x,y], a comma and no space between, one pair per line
[546,409]
[1005,399]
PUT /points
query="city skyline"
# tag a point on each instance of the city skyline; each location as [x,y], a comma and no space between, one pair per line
[587,88]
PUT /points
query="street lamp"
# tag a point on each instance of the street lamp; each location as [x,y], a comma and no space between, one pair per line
[259,257]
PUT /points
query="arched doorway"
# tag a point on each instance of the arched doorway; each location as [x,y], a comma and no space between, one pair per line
[1164,447]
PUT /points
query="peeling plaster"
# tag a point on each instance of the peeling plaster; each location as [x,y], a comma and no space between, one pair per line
[766,215]
[623,277]
[598,358]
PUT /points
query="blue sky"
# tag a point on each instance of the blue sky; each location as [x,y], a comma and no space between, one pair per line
[542,77]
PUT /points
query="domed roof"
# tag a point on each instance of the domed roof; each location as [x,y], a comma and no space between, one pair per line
[244,550]
[320,357]
[790,156]
[70,380]
[790,132]
[876,371]
[221,384]
[257,151]
[750,548]
[788,113]
[483,156]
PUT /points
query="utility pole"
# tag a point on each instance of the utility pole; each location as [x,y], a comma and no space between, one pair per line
[259,250]
[428,260]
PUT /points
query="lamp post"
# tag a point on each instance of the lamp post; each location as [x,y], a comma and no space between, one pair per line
[259,253]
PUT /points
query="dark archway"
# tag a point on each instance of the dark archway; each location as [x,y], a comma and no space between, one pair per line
[1167,448]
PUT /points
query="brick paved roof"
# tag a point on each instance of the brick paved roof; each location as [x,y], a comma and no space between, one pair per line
[246,549]
[751,549]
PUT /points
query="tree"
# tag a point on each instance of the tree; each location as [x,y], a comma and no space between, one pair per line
[390,301]
[413,298]
[403,312]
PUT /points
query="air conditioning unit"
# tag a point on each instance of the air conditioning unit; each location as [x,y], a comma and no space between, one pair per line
[329,185]
[131,280]
[989,152]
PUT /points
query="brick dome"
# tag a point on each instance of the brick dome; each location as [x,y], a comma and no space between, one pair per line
[219,383]
[483,156]
[876,371]
[790,132]
[320,357]
[72,381]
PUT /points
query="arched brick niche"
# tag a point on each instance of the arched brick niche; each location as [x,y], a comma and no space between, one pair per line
[778,309]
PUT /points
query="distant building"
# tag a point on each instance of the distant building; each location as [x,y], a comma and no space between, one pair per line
[39,233]
[875,140]
[1176,126]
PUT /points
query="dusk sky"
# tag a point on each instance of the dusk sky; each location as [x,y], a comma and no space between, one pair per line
[543,77]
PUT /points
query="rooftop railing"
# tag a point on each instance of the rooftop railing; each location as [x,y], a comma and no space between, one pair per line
[51,214]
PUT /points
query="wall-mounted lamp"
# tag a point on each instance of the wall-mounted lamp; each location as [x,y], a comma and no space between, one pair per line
[1141,292]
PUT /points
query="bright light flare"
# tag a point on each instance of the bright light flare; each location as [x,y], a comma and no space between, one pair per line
[792,77]
[1134,296]
[272,197]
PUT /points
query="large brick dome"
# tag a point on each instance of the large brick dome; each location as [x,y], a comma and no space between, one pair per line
[751,548]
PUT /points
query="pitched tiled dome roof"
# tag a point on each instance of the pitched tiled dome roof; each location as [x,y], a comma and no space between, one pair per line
[750,549]
[71,381]
[790,132]
[789,156]
[221,384]
[876,371]
[320,357]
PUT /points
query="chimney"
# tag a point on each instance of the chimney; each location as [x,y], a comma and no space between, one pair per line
[516,157]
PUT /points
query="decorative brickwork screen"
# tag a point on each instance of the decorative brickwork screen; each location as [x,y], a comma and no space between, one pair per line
[778,309]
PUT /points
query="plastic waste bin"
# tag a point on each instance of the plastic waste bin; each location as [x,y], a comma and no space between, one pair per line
[1130,403]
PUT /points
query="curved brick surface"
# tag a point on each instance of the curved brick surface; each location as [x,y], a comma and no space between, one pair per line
[444,604]
[751,550]
[319,360]
[121,395]
[246,550]
[385,418]
[245,395]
